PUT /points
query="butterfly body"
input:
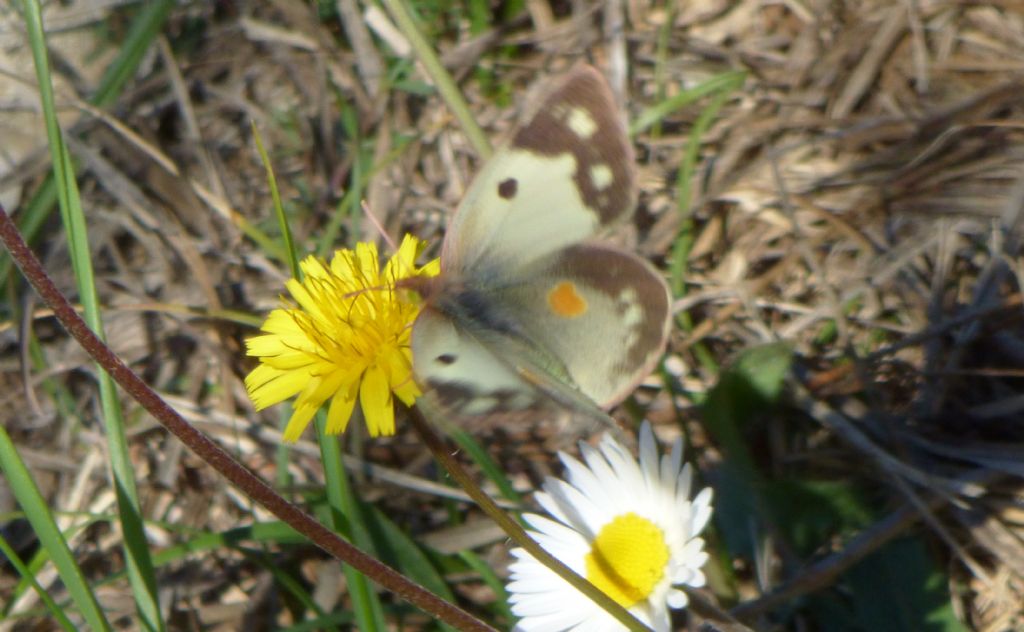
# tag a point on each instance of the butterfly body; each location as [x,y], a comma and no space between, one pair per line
[530,311]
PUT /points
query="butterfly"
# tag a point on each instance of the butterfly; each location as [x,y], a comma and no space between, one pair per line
[531,313]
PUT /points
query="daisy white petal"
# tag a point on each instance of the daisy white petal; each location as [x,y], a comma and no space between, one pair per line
[579,510]
[626,526]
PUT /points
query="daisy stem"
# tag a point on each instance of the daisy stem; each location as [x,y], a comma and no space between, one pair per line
[209,451]
[513,529]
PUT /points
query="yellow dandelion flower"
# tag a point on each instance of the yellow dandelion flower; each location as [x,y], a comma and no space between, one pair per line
[344,338]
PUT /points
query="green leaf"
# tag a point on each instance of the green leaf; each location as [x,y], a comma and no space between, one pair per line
[900,588]
[809,513]
[746,390]
[764,370]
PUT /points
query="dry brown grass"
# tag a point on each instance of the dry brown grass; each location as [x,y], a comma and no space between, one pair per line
[860,198]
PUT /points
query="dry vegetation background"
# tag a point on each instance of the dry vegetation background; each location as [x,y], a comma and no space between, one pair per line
[859,197]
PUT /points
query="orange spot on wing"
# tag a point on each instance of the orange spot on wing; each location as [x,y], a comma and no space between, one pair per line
[565,301]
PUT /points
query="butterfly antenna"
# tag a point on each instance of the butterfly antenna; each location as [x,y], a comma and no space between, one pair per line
[380,227]
[383,234]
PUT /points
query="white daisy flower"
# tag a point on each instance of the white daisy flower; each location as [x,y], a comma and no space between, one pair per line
[628,528]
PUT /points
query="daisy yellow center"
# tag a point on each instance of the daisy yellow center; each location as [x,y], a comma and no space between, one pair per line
[628,559]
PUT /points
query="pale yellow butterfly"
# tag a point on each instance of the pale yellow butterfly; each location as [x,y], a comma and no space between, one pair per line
[531,314]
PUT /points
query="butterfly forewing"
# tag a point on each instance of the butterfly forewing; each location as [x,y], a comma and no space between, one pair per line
[566,174]
[477,378]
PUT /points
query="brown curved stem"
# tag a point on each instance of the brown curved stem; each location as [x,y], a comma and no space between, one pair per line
[206,449]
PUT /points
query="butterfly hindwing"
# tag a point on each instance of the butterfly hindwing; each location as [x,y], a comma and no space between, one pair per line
[588,320]
[603,313]
[480,378]
[566,174]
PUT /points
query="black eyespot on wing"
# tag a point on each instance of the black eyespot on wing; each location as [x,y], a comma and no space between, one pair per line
[446,359]
[507,188]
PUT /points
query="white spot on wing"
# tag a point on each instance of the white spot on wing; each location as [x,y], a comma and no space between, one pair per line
[601,175]
[633,314]
[581,123]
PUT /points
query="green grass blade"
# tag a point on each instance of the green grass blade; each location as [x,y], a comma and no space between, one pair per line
[727,82]
[351,198]
[50,537]
[31,220]
[144,27]
[58,614]
[344,515]
[140,567]
[291,585]
[690,159]
[660,61]
[490,469]
[41,558]
[489,577]
[282,219]
[402,552]
[354,195]
[141,34]
[282,456]
[721,87]
[442,80]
